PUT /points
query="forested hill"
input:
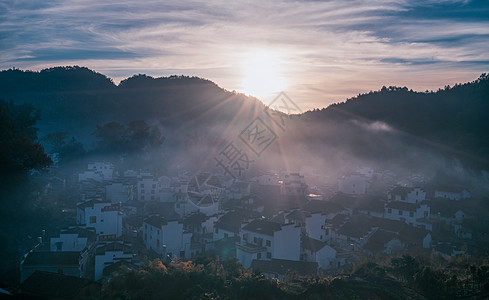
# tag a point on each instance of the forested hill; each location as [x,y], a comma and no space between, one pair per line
[75,99]
[454,119]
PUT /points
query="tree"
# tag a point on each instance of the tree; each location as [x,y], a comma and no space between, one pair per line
[60,143]
[20,150]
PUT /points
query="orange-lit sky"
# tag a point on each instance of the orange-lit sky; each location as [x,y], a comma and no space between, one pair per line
[317,52]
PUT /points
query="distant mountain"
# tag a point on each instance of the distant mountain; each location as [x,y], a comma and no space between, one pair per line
[387,125]
[75,99]
[453,120]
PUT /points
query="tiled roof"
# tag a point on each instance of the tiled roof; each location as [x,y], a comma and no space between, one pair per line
[156,221]
[115,246]
[399,205]
[377,241]
[52,258]
[263,227]
[55,286]
[90,203]
[323,207]
[298,215]
[311,244]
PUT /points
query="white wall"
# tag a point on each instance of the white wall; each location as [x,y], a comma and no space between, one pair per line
[69,242]
[315,226]
[101,261]
[287,243]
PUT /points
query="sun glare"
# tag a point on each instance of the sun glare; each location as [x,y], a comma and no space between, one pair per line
[262,74]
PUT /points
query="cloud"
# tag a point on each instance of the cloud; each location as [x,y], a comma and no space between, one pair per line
[329,50]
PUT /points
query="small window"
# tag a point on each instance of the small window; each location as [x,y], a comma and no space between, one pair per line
[142,185]
[400,212]
[226,235]
[258,256]
[268,243]
[269,255]
[255,239]
[158,243]
[154,186]
[158,231]
[93,219]
[411,214]
[389,210]
[145,236]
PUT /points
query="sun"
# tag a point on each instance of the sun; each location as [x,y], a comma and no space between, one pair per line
[262,74]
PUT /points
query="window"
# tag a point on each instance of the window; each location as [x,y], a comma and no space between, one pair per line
[93,219]
[145,236]
[59,246]
[254,239]
[411,214]
[145,226]
[158,243]
[154,186]
[226,235]
[216,230]
[258,256]
[101,220]
[400,212]
[152,191]
[182,254]
[269,243]
[389,210]
[269,255]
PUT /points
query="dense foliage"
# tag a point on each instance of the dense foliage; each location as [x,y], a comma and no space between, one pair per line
[402,277]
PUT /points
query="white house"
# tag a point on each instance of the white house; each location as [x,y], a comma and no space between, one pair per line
[313,250]
[294,184]
[147,187]
[451,193]
[353,184]
[119,192]
[166,237]
[98,171]
[73,239]
[264,240]
[71,263]
[407,194]
[105,217]
[108,254]
[312,224]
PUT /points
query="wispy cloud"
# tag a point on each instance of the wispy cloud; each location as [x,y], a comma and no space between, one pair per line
[329,50]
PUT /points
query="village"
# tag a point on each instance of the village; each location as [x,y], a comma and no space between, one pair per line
[275,222]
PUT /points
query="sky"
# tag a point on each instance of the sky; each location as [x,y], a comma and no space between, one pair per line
[318,52]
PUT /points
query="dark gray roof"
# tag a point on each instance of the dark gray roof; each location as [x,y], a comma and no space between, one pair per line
[326,207]
[311,244]
[263,227]
[90,203]
[55,286]
[52,258]
[156,221]
[298,215]
[399,205]
[115,246]
[376,243]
